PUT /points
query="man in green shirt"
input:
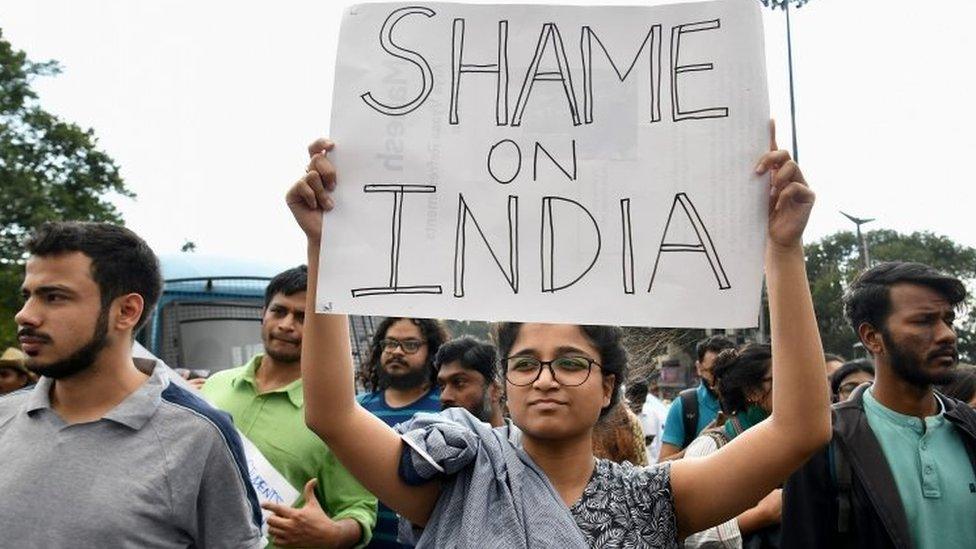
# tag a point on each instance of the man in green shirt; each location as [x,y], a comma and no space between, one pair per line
[266,401]
[901,470]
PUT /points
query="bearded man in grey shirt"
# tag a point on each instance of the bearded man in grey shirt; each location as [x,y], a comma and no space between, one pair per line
[105,452]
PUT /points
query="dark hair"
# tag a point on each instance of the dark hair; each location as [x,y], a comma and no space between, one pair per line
[122,263]
[636,393]
[288,282]
[868,299]
[472,354]
[852,367]
[606,339]
[715,344]
[963,384]
[739,371]
[434,333]
[831,357]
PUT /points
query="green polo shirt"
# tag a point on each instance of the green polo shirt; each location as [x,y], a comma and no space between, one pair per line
[275,422]
[935,479]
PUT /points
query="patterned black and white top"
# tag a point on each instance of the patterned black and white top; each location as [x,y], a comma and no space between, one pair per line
[494,496]
[627,507]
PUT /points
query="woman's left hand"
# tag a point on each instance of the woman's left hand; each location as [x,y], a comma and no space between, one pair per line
[790,198]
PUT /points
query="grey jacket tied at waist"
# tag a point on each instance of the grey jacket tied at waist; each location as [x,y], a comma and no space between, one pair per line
[493,495]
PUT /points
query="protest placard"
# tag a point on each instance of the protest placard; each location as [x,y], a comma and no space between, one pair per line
[269,484]
[549,163]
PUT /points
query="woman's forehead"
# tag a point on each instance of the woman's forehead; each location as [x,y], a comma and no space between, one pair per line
[553,338]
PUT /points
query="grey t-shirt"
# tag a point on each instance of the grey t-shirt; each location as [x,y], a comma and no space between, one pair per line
[163,469]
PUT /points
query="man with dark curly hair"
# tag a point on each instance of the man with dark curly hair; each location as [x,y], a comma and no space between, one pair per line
[401,380]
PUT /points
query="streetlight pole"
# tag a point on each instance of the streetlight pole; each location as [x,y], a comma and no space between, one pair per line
[863,243]
[785,6]
[789,57]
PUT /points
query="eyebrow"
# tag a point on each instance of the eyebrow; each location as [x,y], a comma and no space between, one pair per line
[453,376]
[51,288]
[931,313]
[561,350]
[282,307]
[565,349]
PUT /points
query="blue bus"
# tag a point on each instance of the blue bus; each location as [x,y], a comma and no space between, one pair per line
[209,314]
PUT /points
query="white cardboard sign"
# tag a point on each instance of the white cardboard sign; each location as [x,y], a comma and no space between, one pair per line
[549,163]
[269,484]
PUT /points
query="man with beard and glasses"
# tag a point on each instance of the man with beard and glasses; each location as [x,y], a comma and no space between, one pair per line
[401,382]
[266,401]
[104,451]
[901,468]
[467,374]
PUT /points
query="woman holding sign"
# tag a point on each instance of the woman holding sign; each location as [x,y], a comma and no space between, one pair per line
[462,484]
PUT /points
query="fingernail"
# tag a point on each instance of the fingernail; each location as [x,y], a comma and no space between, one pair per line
[759,167]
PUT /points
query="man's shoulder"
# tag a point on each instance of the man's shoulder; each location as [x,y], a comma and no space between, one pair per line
[224,377]
[186,416]
[431,401]
[370,400]
[12,403]
[676,406]
[959,412]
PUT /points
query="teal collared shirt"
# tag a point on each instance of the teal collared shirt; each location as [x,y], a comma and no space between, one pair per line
[674,425]
[275,422]
[933,473]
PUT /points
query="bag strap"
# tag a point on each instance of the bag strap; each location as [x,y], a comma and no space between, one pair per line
[737,425]
[718,435]
[689,409]
[841,471]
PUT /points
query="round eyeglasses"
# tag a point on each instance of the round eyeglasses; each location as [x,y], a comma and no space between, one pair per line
[568,371]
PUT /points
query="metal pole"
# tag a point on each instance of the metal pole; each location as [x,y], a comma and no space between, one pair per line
[864,249]
[789,55]
[864,245]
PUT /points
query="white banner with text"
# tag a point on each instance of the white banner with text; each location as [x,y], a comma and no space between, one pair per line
[549,163]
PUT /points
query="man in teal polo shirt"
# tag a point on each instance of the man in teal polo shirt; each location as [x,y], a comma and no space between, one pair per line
[266,401]
[698,407]
[901,470]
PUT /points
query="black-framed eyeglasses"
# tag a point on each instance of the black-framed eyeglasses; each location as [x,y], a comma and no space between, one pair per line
[409,346]
[568,371]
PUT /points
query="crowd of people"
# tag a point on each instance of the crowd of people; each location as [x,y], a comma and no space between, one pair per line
[536,438]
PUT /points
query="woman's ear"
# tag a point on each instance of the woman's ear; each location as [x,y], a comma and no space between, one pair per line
[609,382]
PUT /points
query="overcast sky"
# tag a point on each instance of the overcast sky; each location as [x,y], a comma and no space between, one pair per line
[207,107]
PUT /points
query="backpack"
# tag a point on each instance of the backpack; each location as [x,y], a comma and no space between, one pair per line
[689,409]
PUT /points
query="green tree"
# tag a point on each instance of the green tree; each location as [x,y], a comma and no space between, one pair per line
[834,261]
[50,169]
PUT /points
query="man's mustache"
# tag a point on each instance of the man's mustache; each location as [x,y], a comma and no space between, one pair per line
[30,332]
[945,351]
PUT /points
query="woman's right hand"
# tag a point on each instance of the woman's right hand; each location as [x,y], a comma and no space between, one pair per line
[311,196]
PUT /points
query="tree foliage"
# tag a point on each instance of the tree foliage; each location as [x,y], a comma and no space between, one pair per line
[50,169]
[834,261]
